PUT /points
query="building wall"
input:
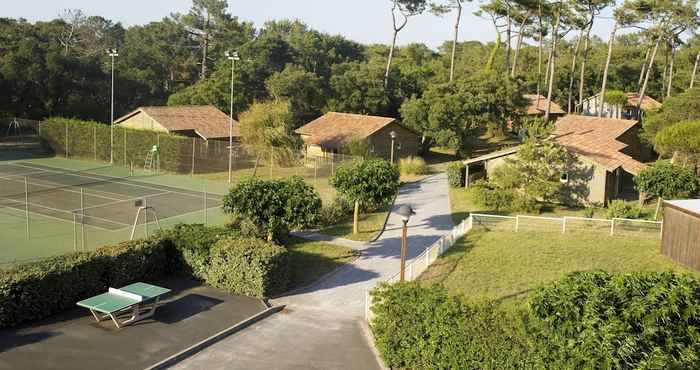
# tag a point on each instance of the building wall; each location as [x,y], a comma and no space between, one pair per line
[635,147]
[588,182]
[408,142]
[681,237]
[141,121]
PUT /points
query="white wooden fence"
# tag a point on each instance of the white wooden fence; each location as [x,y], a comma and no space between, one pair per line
[615,226]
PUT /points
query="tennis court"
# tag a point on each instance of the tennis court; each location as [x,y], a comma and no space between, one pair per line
[102,197]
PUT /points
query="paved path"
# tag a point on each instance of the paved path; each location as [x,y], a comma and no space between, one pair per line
[322,328]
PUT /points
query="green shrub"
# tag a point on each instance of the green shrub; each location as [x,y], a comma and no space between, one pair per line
[277,206]
[418,327]
[413,166]
[191,245]
[372,182]
[620,209]
[456,173]
[487,196]
[338,210]
[37,290]
[248,267]
[632,321]
[666,180]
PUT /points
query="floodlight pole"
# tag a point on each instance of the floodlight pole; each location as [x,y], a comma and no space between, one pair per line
[393,138]
[112,53]
[233,57]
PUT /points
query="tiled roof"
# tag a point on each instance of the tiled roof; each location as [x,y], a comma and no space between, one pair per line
[648,103]
[206,120]
[595,139]
[333,128]
[539,106]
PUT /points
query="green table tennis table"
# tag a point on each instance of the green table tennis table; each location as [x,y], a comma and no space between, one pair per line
[134,298]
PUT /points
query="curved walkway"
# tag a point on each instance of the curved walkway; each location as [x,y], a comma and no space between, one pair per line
[322,327]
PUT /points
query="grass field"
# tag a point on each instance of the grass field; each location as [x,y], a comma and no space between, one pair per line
[311,260]
[507,266]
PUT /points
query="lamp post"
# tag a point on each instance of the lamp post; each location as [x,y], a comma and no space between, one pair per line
[393,138]
[233,57]
[112,54]
[405,211]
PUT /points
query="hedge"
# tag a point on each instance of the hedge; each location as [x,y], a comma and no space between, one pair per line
[417,327]
[246,266]
[39,289]
[456,173]
[91,140]
[644,320]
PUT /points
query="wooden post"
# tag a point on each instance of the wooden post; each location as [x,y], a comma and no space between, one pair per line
[272,159]
[404,247]
[517,223]
[356,218]
[563,225]
[466,176]
[612,227]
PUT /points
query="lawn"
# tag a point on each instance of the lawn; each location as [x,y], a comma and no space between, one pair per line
[370,224]
[507,266]
[310,260]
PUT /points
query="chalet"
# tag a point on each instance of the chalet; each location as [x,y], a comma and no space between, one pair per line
[538,107]
[609,152]
[591,106]
[329,134]
[205,121]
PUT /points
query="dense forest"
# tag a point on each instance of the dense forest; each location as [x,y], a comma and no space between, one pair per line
[60,68]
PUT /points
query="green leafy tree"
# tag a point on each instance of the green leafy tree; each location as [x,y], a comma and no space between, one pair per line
[267,125]
[401,10]
[535,172]
[356,87]
[304,91]
[679,108]
[680,140]
[370,183]
[666,180]
[276,206]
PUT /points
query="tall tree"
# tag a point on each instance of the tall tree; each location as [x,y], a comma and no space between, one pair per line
[201,22]
[440,10]
[593,7]
[695,70]
[403,9]
[552,59]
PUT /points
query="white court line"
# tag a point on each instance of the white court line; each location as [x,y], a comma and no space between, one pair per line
[128,182]
[165,220]
[61,187]
[122,201]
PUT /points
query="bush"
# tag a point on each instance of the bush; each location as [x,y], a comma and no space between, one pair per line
[620,209]
[666,180]
[488,196]
[248,267]
[338,210]
[631,321]
[456,173]
[37,290]
[413,166]
[277,206]
[418,327]
[191,244]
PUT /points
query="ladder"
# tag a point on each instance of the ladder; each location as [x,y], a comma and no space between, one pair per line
[148,164]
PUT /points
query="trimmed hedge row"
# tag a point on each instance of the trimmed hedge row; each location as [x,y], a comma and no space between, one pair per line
[90,139]
[40,289]
[245,266]
[588,320]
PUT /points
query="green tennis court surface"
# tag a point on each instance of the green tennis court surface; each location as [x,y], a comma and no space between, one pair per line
[83,205]
[102,199]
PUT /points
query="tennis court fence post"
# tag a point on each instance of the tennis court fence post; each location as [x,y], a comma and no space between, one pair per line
[205,203]
[272,159]
[193,149]
[26,204]
[94,140]
[82,218]
[66,124]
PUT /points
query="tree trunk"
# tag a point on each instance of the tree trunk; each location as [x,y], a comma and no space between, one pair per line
[519,45]
[205,48]
[695,70]
[586,50]
[356,218]
[646,78]
[658,208]
[508,38]
[644,68]
[573,72]
[607,68]
[670,72]
[539,50]
[665,73]
[257,163]
[391,57]
[454,41]
[552,63]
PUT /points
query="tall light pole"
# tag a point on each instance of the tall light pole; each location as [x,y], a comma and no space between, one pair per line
[405,211]
[393,138]
[233,57]
[112,53]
